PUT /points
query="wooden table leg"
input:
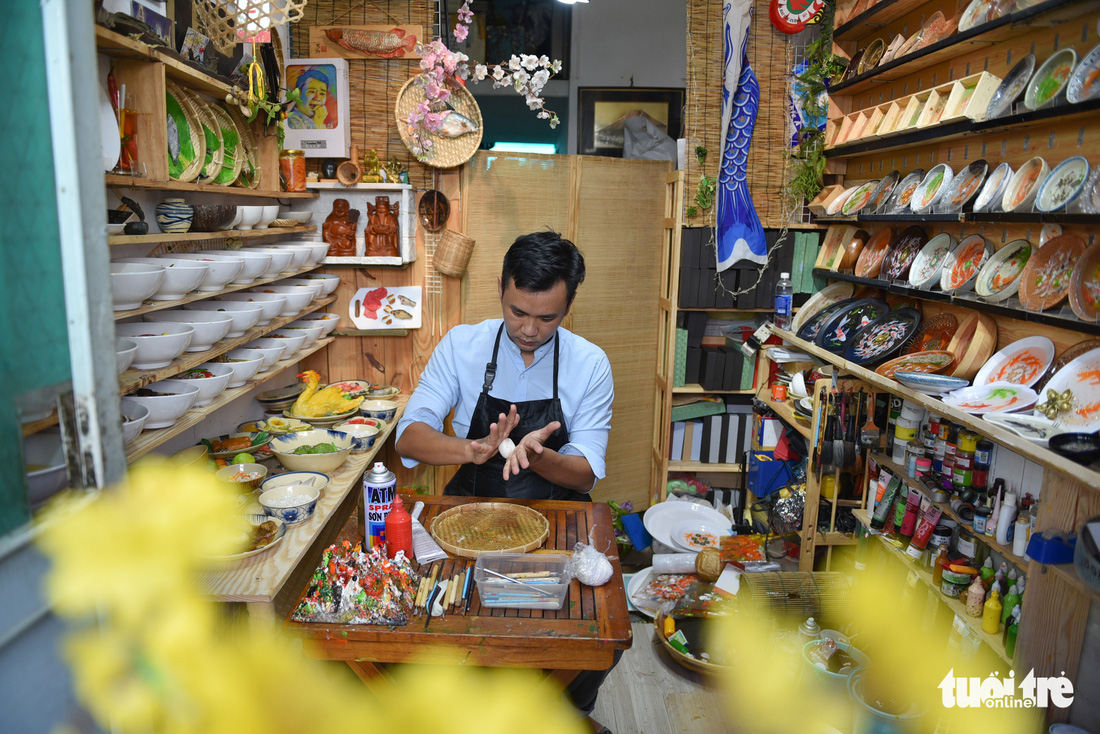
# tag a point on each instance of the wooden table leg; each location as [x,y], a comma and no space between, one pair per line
[373,676]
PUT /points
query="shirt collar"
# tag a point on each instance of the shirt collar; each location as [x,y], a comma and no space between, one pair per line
[514,349]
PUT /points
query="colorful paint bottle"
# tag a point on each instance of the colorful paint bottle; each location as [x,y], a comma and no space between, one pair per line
[378,492]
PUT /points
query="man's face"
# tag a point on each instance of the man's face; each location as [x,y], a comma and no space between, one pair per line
[530,317]
[316,93]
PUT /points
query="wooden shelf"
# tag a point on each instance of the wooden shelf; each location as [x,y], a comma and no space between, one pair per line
[874,18]
[146,441]
[153,306]
[695,389]
[132,380]
[1048,14]
[330,185]
[784,411]
[833,538]
[130,182]
[119,46]
[698,466]
[1044,457]
[40,425]
[232,234]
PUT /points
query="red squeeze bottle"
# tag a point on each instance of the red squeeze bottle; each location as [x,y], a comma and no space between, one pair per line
[399,534]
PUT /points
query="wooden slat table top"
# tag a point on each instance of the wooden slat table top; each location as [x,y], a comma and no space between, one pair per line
[582,635]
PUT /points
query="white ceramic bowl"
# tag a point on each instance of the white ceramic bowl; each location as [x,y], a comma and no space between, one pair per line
[269,354]
[299,217]
[1020,193]
[250,216]
[312,329]
[281,261]
[292,503]
[329,283]
[363,434]
[158,342]
[317,249]
[269,344]
[270,304]
[209,327]
[269,214]
[245,363]
[44,456]
[174,398]
[234,221]
[317,480]
[329,320]
[132,283]
[383,410]
[315,287]
[181,276]
[299,254]
[254,472]
[244,315]
[209,387]
[220,270]
[255,263]
[296,299]
[137,414]
[283,447]
[295,337]
[125,349]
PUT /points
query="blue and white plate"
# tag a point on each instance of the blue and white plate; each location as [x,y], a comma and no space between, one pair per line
[1063,184]
[930,384]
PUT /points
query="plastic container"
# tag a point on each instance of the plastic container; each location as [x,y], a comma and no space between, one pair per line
[784,294]
[544,581]
[834,683]
[867,719]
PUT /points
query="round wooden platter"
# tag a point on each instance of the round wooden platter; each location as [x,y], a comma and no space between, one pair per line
[489,527]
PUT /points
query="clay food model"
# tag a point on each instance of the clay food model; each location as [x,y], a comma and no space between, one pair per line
[339,230]
[381,231]
[332,400]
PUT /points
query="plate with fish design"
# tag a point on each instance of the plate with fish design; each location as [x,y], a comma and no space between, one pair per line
[933,334]
[879,339]
[1085,82]
[1063,185]
[882,192]
[903,192]
[812,327]
[1045,280]
[1023,362]
[1084,285]
[930,384]
[963,187]
[994,189]
[930,361]
[1050,79]
[845,322]
[869,263]
[1034,428]
[994,397]
[999,278]
[824,298]
[932,188]
[903,250]
[1021,190]
[975,14]
[962,265]
[1082,378]
[1010,87]
[926,268]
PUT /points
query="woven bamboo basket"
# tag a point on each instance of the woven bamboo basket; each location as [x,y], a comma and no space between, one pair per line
[445,152]
[250,168]
[233,143]
[452,255]
[823,595]
[194,133]
[469,530]
[215,154]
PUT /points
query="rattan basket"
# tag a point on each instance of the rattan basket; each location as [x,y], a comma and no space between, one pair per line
[445,152]
[215,148]
[469,530]
[452,255]
[194,133]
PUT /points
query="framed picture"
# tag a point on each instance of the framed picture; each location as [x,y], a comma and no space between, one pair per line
[319,123]
[602,113]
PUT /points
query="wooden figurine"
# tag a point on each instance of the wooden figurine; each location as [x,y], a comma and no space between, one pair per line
[381,231]
[339,229]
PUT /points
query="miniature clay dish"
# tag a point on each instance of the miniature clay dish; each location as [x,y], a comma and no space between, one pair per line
[962,265]
[903,192]
[926,268]
[1085,82]
[930,361]
[871,56]
[903,250]
[835,207]
[882,337]
[858,199]
[1084,285]
[928,383]
[933,334]
[823,298]
[869,263]
[1023,362]
[995,397]
[812,327]
[1011,86]
[1034,428]
[932,188]
[993,191]
[999,278]
[882,192]
[1045,280]
[1020,193]
[975,14]
[1050,79]
[1063,185]
[843,324]
[963,187]
[1079,377]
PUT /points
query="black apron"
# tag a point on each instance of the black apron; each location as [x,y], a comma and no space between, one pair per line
[487,480]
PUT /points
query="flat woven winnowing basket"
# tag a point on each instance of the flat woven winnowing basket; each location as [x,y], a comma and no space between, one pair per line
[489,527]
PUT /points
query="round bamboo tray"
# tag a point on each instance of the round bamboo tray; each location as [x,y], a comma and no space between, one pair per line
[469,530]
[250,169]
[234,146]
[197,138]
[212,130]
[445,152]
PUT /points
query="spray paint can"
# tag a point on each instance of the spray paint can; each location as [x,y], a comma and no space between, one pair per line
[379,487]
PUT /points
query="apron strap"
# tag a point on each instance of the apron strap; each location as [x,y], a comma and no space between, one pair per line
[555,364]
[491,366]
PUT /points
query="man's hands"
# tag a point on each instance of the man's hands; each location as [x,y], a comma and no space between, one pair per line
[483,449]
[529,449]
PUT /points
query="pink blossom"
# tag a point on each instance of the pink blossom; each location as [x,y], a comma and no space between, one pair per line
[460,33]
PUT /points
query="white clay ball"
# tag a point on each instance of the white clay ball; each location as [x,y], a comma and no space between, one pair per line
[507,446]
[592,568]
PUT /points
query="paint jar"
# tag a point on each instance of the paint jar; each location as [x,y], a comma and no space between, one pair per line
[924,467]
[898,454]
[906,429]
[966,544]
[927,436]
[913,451]
[981,516]
[953,584]
[968,441]
[779,392]
[964,460]
[983,452]
[911,412]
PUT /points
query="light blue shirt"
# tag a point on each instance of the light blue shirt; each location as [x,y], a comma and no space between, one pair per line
[456,371]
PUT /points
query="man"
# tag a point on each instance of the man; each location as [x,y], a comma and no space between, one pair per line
[525,379]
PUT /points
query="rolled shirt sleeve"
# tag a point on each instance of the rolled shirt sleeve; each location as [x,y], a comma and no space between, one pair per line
[591,423]
[435,394]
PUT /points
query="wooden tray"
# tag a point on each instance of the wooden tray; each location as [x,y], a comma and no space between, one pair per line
[489,527]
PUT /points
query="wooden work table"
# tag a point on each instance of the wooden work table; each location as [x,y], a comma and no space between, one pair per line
[583,635]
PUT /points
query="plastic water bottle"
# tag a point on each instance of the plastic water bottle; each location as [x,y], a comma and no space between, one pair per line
[784,293]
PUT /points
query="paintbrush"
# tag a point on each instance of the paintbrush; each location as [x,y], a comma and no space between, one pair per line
[537,590]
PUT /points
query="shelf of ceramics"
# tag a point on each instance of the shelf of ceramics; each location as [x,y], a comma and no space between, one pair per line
[132,380]
[120,181]
[878,16]
[329,185]
[1044,457]
[231,234]
[698,390]
[1021,23]
[1063,317]
[119,46]
[698,466]
[784,411]
[152,306]
[257,580]
[954,604]
[1037,218]
[147,441]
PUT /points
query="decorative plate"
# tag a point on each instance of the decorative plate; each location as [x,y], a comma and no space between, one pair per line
[255,521]
[1050,79]
[851,250]
[234,159]
[870,259]
[976,13]
[910,44]
[963,187]
[1045,280]
[838,203]
[812,327]
[935,29]
[892,49]
[994,189]
[836,332]
[931,188]
[824,298]
[929,384]
[1034,428]
[999,278]
[928,263]
[882,193]
[489,527]
[962,265]
[903,192]
[695,535]
[1084,285]
[1082,378]
[1062,186]
[433,210]
[903,250]
[930,361]
[858,198]
[994,397]
[1021,190]
[1083,84]
[1073,353]
[1022,362]
[882,337]
[212,132]
[258,445]
[933,334]
[871,56]
[1010,87]
[186,144]
[660,518]
[853,65]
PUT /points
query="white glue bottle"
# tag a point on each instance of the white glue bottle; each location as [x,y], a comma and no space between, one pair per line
[1006,522]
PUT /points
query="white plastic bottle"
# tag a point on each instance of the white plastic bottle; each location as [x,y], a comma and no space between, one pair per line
[1006,522]
[784,295]
[1019,540]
